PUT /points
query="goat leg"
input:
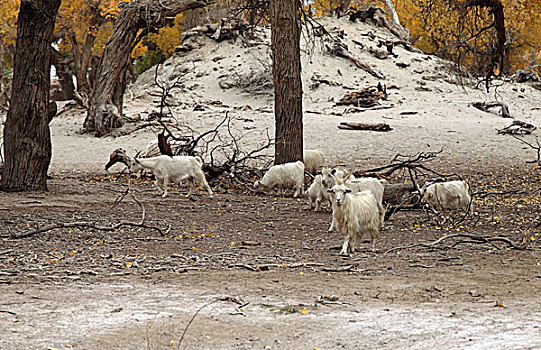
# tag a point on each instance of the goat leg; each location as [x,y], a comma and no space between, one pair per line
[165,183]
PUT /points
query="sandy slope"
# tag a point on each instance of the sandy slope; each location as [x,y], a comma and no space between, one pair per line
[444,118]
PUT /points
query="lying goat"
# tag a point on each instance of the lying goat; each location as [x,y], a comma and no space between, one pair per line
[354,214]
[283,176]
[452,195]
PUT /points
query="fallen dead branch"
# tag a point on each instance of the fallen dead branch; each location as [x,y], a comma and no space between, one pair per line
[410,162]
[94,225]
[518,127]
[382,127]
[191,320]
[330,300]
[485,107]
[474,239]
[337,48]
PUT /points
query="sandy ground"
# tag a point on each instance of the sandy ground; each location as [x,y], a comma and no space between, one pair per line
[132,289]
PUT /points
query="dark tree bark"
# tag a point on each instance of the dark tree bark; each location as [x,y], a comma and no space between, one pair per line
[500,52]
[286,69]
[105,112]
[64,71]
[27,139]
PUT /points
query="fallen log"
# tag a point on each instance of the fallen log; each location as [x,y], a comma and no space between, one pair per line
[485,107]
[364,126]
[517,127]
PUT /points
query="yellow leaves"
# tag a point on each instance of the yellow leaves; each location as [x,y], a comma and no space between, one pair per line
[128,264]
[171,343]
[304,311]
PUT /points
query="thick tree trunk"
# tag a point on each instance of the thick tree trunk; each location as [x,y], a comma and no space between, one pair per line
[27,139]
[105,112]
[286,68]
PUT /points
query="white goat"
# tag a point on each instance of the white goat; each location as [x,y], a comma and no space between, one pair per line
[313,160]
[330,178]
[175,169]
[354,214]
[317,193]
[451,195]
[284,176]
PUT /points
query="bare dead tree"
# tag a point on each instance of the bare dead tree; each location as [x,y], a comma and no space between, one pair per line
[478,35]
[221,147]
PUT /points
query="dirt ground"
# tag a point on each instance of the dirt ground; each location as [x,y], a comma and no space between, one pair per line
[260,272]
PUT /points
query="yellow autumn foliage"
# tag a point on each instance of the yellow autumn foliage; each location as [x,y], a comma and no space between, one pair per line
[8,30]
[436,29]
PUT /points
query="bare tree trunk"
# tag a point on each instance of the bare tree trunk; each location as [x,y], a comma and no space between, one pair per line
[65,76]
[27,139]
[286,68]
[82,55]
[105,112]
[193,18]
[500,52]
[390,7]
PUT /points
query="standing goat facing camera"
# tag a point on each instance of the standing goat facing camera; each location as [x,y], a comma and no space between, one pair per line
[175,169]
[376,186]
[354,214]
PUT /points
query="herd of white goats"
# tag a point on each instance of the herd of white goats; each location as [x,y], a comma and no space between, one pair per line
[357,204]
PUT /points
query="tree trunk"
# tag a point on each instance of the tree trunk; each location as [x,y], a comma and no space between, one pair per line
[286,69]
[500,52]
[82,55]
[65,76]
[27,139]
[105,112]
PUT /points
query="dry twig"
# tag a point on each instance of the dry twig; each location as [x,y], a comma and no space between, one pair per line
[473,239]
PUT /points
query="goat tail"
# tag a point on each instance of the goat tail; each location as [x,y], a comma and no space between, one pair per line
[199,160]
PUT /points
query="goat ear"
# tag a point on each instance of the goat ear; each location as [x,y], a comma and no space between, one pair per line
[348,191]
